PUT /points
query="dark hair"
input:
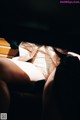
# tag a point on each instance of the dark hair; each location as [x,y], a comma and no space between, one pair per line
[66,87]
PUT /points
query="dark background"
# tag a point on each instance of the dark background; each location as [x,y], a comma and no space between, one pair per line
[41,21]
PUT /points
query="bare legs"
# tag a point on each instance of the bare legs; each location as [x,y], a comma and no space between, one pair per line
[9,74]
[12,77]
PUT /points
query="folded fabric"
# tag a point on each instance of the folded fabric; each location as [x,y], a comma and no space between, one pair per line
[43,57]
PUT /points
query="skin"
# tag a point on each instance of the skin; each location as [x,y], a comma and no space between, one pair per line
[12,78]
[10,74]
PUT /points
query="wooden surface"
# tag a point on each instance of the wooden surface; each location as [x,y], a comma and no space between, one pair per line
[3,42]
[6,50]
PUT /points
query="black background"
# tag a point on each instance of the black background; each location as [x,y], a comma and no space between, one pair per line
[41,21]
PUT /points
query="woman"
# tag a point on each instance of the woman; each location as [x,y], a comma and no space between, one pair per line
[14,73]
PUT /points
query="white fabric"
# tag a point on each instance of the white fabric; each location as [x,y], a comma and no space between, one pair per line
[27,50]
[74,54]
[33,72]
[44,61]
[43,57]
